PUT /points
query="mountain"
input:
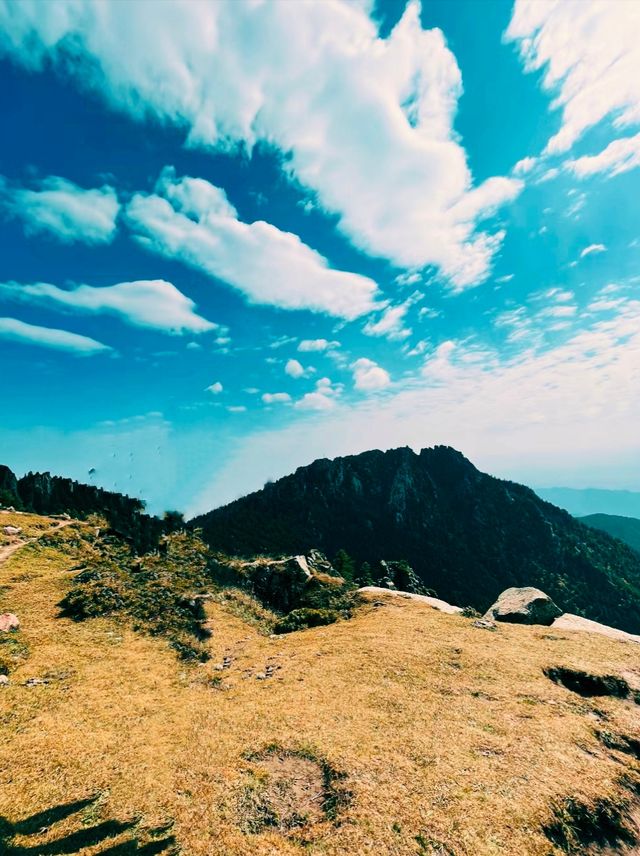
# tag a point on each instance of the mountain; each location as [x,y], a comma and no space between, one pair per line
[46,494]
[466,534]
[627,529]
[582,502]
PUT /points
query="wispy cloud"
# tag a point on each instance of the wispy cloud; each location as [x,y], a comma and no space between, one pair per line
[589,53]
[70,213]
[591,249]
[155,304]
[48,337]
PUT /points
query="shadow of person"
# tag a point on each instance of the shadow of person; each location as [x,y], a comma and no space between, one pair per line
[87,836]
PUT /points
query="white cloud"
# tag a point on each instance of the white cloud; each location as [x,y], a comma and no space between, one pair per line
[524,166]
[589,52]
[322,398]
[215,388]
[48,337]
[267,265]
[237,408]
[317,345]
[591,249]
[294,369]
[565,415]
[61,208]
[368,375]
[390,324]
[367,122]
[276,397]
[146,303]
[618,157]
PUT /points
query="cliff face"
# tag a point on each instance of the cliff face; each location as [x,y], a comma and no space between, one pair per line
[467,534]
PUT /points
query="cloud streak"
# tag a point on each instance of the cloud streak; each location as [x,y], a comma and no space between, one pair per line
[47,337]
[154,304]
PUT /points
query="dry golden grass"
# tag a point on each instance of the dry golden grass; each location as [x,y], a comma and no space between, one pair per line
[446,732]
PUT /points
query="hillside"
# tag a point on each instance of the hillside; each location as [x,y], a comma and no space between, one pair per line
[585,501]
[402,731]
[627,529]
[467,535]
[44,493]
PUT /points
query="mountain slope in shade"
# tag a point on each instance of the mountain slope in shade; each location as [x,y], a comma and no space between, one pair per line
[468,535]
[585,501]
[627,529]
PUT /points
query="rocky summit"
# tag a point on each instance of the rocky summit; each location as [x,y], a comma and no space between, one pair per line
[468,536]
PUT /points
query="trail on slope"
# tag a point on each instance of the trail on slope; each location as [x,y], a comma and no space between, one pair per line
[10,549]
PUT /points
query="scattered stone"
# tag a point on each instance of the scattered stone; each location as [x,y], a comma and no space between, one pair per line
[525,605]
[35,682]
[484,624]
[261,676]
[9,622]
[12,530]
[4,680]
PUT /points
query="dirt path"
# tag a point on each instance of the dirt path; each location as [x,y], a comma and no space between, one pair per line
[10,549]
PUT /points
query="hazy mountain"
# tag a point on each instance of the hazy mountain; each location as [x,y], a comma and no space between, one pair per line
[581,502]
[468,535]
[627,529]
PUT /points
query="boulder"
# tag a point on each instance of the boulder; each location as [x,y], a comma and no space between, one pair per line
[279,582]
[11,530]
[9,622]
[525,605]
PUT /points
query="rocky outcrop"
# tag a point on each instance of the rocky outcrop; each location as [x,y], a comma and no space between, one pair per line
[8,487]
[292,582]
[525,605]
[400,575]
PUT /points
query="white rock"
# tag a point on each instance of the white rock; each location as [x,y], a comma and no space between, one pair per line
[567,621]
[434,602]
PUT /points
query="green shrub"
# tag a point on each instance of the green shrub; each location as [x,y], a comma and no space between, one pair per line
[300,619]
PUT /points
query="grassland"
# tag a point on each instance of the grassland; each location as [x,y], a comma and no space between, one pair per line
[400,731]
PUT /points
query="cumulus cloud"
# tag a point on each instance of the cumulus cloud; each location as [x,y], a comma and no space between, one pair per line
[155,304]
[276,397]
[590,54]
[294,369]
[193,221]
[215,388]
[367,122]
[63,209]
[322,398]
[368,375]
[49,337]
[317,345]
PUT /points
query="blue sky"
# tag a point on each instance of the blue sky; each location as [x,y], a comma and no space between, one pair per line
[239,236]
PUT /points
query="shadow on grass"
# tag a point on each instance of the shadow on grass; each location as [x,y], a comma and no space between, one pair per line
[87,836]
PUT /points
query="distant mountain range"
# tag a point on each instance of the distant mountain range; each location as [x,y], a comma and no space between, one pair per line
[467,535]
[627,529]
[582,502]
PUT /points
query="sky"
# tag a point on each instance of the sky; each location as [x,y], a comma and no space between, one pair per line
[236,236]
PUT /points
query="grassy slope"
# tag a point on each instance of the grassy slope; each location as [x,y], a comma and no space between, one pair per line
[446,732]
